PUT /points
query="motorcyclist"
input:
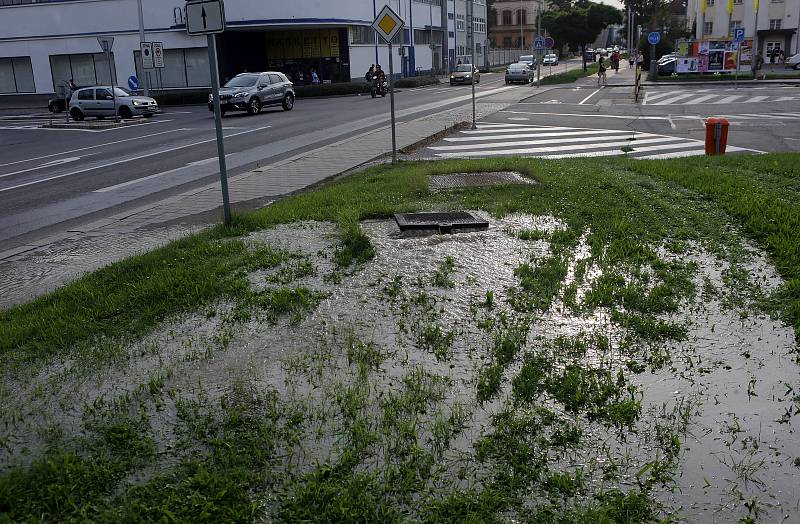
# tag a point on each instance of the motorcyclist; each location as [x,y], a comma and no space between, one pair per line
[380,74]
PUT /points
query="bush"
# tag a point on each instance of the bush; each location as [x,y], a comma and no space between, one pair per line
[417,81]
[343,88]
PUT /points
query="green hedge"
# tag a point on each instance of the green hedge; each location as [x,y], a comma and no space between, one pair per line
[343,88]
[417,81]
[570,76]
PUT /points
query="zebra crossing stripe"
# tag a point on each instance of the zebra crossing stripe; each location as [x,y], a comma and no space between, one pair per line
[673,99]
[696,152]
[596,142]
[759,98]
[545,150]
[529,129]
[537,135]
[660,95]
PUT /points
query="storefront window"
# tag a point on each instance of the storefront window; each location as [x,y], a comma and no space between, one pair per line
[16,75]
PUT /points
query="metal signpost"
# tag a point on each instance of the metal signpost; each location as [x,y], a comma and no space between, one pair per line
[471,44]
[387,24]
[207,17]
[106,43]
[538,45]
[653,38]
[738,38]
[549,43]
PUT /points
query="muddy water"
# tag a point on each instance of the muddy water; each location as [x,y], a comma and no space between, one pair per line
[734,378]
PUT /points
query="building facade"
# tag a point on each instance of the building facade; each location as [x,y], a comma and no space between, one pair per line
[774,27]
[514,23]
[44,43]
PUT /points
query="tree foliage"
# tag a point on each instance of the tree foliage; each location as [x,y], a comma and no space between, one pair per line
[579,23]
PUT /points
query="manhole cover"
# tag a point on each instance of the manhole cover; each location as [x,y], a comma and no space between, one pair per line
[451,222]
[457,180]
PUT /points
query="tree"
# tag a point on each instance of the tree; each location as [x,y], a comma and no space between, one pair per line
[580,24]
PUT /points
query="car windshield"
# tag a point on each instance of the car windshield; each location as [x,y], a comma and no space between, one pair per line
[118,92]
[464,68]
[550,56]
[526,58]
[243,81]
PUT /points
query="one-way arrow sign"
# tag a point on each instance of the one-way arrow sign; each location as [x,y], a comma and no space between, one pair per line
[204,17]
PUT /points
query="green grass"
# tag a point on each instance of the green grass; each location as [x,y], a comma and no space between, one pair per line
[570,76]
[232,456]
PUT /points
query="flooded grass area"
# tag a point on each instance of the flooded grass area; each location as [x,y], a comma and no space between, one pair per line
[621,345]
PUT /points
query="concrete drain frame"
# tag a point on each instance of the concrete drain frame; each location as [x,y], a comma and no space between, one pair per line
[442,222]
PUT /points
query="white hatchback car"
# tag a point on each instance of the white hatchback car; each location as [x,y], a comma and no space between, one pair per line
[793,61]
[100,102]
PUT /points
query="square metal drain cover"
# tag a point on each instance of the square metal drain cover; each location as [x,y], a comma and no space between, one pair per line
[495,178]
[450,222]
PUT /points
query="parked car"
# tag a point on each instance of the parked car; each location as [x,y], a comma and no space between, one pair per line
[519,72]
[465,74]
[590,55]
[253,91]
[668,67]
[100,102]
[61,99]
[666,58]
[551,59]
[528,59]
[793,61]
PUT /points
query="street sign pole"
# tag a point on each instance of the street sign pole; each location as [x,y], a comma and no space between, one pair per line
[471,43]
[391,104]
[141,40]
[223,173]
[388,24]
[111,79]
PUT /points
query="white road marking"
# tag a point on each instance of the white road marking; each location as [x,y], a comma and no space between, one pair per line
[671,100]
[725,100]
[484,131]
[620,135]
[156,175]
[590,96]
[534,150]
[537,135]
[93,147]
[48,179]
[595,115]
[654,96]
[52,163]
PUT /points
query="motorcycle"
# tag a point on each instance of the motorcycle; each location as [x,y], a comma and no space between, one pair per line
[379,88]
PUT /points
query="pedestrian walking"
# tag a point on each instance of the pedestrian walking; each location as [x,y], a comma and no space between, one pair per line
[601,71]
[314,77]
[758,66]
[781,56]
[773,56]
[631,59]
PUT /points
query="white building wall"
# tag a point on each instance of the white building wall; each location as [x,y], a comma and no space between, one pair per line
[71,27]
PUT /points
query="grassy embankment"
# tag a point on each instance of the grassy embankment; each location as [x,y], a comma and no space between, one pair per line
[236,455]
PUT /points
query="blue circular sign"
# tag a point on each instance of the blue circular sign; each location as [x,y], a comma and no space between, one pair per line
[549,42]
[654,37]
[133,83]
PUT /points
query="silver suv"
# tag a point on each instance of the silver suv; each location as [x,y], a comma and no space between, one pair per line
[99,101]
[252,91]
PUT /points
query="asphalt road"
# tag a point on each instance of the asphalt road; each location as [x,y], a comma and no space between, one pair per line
[59,178]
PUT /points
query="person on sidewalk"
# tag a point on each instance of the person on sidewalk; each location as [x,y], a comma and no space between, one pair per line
[631,59]
[758,66]
[615,61]
[314,77]
[601,71]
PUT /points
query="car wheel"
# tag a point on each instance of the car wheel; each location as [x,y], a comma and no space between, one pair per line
[125,113]
[76,114]
[797,66]
[52,107]
[288,102]
[254,106]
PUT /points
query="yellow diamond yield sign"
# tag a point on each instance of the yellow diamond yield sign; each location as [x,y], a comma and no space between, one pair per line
[387,23]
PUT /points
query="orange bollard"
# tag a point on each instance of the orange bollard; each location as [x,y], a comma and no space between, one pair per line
[716,136]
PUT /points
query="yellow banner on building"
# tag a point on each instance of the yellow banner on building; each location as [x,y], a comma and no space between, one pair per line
[703,6]
[730,7]
[755,8]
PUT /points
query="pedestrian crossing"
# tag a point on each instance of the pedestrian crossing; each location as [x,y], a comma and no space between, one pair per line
[500,139]
[672,97]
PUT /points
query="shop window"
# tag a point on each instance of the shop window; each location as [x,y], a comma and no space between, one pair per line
[182,68]
[16,75]
[84,69]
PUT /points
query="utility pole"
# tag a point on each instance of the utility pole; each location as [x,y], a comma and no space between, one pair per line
[141,39]
[538,34]
[471,44]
